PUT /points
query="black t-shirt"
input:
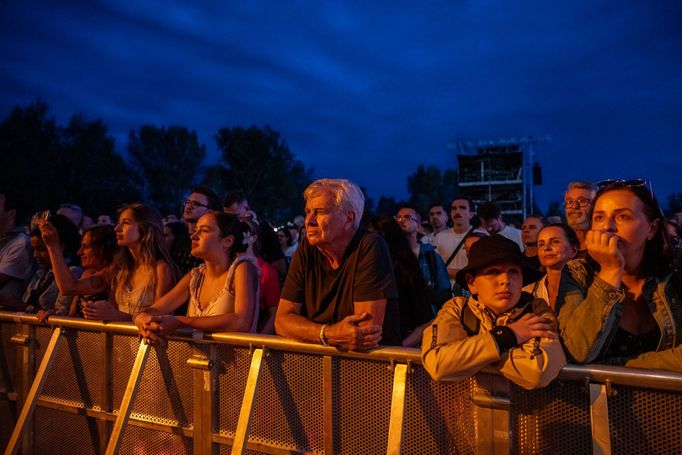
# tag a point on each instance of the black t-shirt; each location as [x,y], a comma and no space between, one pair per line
[328,295]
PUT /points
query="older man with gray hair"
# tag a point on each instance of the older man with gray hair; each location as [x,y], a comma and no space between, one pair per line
[578,205]
[340,289]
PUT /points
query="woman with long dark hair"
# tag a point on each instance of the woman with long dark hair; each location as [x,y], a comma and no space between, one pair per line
[622,305]
[222,292]
[413,294]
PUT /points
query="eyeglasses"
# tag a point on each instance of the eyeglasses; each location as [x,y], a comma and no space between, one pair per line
[195,204]
[581,201]
[401,218]
[632,183]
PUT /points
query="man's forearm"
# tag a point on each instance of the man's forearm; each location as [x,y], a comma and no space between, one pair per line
[298,327]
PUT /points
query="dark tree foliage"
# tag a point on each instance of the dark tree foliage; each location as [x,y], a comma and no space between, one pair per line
[429,186]
[555,209]
[387,206]
[169,160]
[259,162]
[49,164]
[674,201]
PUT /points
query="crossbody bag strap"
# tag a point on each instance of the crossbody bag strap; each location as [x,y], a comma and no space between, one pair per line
[461,242]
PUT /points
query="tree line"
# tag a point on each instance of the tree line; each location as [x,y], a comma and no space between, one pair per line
[48,164]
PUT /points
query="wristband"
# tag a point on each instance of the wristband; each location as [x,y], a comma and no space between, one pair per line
[323,338]
[504,337]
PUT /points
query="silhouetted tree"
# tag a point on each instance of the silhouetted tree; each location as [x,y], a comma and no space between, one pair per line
[387,206]
[260,163]
[427,185]
[94,175]
[674,201]
[169,161]
[29,155]
[555,209]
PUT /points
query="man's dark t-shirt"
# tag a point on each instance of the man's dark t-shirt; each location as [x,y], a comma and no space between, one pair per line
[328,296]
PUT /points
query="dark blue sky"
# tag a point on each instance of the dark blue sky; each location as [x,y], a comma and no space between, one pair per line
[370,90]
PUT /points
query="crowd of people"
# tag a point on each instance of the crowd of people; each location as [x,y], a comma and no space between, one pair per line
[465,284]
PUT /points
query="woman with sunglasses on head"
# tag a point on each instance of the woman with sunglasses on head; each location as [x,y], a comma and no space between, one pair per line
[140,273]
[621,306]
[222,292]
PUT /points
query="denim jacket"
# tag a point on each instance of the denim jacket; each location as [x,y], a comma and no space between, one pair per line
[589,316]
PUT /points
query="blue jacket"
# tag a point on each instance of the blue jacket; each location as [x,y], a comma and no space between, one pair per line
[441,280]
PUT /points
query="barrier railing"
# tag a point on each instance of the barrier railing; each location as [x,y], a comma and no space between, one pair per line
[80,386]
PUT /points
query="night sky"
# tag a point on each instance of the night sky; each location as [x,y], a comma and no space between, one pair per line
[370,90]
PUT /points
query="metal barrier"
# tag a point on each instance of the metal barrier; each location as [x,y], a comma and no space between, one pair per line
[86,387]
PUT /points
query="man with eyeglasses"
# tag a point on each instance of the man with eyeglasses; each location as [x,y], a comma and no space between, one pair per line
[578,204]
[199,201]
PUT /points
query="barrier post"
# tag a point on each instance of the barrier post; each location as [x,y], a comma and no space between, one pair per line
[328,403]
[203,390]
[599,418]
[395,427]
[128,398]
[34,392]
[491,398]
[241,434]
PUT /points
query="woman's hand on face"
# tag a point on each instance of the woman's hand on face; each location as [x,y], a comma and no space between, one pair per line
[603,247]
[48,233]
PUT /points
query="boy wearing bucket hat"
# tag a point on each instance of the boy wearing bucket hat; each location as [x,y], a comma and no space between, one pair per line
[498,325]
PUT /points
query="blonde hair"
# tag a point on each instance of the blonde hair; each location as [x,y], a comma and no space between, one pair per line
[346,195]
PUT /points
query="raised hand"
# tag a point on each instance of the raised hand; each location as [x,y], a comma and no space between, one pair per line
[48,233]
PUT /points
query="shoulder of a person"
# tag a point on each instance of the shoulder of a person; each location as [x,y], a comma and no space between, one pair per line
[579,269]
[162,267]
[426,247]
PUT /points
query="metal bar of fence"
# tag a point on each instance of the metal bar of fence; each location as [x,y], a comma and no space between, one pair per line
[242,432]
[328,408]
[395,427]
[491,398]
[34,392]
[128,399]
[651,379]
[599,416]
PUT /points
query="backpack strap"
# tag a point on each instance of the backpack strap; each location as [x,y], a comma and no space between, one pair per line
[469,321]
[433,273]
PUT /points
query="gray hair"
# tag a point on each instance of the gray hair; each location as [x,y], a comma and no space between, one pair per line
[583,186]
[346,195]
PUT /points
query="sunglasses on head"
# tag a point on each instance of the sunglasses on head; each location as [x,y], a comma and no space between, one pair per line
[632,183]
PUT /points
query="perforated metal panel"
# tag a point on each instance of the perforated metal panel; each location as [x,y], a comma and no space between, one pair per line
[439,416]
[232,369]
[59,432]
[289,406]
[77,373]
[144,441]
[165,392]
[645,421]
[362,405]
[8,365]
[555,419]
